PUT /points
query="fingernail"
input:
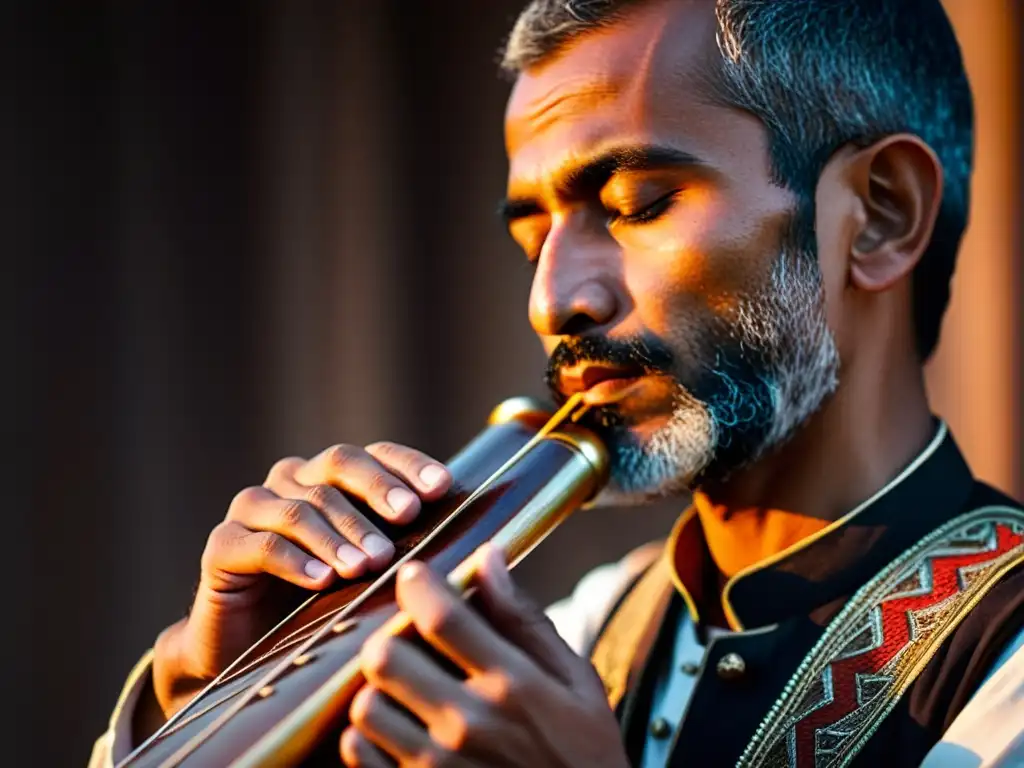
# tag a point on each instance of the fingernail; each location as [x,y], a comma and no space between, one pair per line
[432,475]
[316,570]
[400,500]
[350,557]
[375,545]
[410,571]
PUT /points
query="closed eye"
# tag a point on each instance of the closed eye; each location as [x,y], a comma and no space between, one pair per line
[647,214]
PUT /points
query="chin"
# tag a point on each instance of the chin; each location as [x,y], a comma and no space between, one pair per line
[657,454]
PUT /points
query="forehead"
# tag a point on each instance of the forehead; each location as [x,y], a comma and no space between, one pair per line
[643,80]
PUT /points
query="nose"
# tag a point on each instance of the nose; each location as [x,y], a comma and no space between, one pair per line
[575,287]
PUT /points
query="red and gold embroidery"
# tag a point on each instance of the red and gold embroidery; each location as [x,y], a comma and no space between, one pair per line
[882,639]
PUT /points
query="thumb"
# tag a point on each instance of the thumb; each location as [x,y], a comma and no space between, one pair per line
[519,619]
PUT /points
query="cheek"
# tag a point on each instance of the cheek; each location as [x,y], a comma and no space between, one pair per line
[693,270]
[686,298]
[666,288]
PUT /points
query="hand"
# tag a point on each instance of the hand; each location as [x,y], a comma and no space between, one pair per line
[298,528]
[527,699]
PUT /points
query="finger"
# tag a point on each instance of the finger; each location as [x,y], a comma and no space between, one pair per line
[520,620]
[234,552]
[356,472]
[359,752]
[383,724]
[284,469]
[429,477]
[299,521]
[411,678]
[456,717]
[452,627]
[363,546]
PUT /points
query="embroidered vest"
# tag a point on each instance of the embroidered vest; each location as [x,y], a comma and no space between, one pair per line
[869,654]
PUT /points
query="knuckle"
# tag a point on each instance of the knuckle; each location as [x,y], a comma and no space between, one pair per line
[358,717]
[381,661]
[246,498]
[349,754]
[361,715]
[500,690]
[328,542]
[284,467]
[434,756]
[293,513]
[220,534]
[340,457]
[269,544]
[321,496]
[459,731]
[441,621]
[218,539]
[383,449]
[351,525]
[380,483]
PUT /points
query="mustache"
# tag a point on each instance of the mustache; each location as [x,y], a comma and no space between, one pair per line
[644,352]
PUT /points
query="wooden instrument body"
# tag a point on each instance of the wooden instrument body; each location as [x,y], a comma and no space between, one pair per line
[557,475]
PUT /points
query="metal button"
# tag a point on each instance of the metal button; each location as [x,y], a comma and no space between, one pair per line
[689,668]
[731,666]
[660,729]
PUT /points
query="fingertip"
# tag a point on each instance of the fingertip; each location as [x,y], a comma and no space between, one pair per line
[489,559]
[436,479]
[349,746]
[372,655]
[379,549]
[368,655]
[348,572]
[350,562]
[360,702]
[412,571]
[318,571]
[404,505]
[491,555]
[494,570]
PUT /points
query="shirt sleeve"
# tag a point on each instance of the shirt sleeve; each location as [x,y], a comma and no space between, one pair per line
[579,617]
[116,744]
[989,732]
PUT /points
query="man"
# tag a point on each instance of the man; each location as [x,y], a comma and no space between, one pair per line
[744,218]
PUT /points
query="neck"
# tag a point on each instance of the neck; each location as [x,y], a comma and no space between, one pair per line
[869,430]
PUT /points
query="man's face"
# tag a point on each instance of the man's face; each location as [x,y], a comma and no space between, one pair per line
[667,274]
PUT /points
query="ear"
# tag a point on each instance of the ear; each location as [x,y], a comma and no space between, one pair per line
[899,183]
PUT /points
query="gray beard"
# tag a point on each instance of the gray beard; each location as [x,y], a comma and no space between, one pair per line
[787,324]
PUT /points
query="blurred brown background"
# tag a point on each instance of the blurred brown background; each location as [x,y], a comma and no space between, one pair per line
[241,231]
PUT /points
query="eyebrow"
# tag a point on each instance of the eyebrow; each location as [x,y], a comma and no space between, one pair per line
[595,173]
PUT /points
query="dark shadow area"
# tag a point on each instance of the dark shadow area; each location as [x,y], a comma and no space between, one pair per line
[238,234]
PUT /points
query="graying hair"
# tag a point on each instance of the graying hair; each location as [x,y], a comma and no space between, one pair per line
[821,74]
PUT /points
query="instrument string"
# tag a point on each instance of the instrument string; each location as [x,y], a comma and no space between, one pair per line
[572,409]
